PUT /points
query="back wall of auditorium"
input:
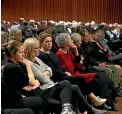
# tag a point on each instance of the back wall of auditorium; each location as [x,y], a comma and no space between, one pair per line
[108,11]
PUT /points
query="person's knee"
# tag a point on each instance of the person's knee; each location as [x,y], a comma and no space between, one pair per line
[76,91]
[118,67]
[66,82]
[74,88]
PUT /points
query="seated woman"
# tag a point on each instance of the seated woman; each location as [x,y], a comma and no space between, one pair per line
[49,58]
[10,86]
[12,99]
[67,59]
[43,73]
[19,77]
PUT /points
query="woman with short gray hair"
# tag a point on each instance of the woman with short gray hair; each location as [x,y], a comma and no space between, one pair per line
[68,61]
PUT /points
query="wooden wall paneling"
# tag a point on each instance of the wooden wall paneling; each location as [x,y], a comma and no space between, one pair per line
[108,11]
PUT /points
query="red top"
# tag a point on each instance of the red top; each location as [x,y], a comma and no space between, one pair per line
[67,61]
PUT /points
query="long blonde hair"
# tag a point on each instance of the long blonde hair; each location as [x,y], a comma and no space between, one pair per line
[30,44]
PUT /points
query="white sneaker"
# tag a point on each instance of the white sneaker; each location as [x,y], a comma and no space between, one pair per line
[67,109]
[99,101]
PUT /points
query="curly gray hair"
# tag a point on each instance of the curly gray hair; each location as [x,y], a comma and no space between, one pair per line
[13,34]
[61,39]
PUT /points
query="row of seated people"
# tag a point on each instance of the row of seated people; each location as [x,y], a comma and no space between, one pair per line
[111,44]
[102,41]
[11,51]
[19,85]
[65,72]
[113,39]
[112,32]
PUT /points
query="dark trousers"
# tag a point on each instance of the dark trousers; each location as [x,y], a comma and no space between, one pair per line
[17,111]
[31,102]
[80,82]
[34,103]
[79,101]
[63,92]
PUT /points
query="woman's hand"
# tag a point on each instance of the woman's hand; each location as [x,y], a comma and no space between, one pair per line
[24,61]
[82,58]
[27,88]
[74,47]
[34,84]
[102,64]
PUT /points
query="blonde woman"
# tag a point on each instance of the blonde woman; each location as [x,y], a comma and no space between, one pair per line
[43,73]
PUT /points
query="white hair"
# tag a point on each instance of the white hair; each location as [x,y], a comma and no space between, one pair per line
[75,37]
[61,39]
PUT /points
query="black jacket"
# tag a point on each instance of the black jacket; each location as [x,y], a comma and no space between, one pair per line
[52,61]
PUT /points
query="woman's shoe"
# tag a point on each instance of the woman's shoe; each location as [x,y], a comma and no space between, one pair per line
[66,109]
[104,107]
[99,101]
